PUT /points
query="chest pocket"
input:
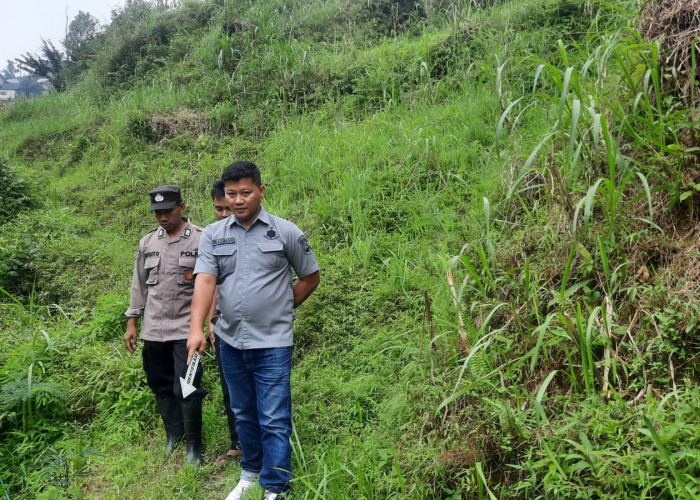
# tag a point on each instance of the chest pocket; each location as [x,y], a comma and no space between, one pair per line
[271,255]
[151,265]
[185,270]
[226,259]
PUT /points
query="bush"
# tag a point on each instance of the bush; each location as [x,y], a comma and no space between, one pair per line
[53,255]
[108,320]
[14,192]
[139,38]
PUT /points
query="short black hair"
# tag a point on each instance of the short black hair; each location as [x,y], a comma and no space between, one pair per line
[217,190]
[242,170]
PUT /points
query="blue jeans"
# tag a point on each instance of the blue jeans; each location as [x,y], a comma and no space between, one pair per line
[259,383]
[230,417]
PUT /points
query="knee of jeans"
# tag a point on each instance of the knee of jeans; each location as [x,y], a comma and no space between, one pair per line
[244,418]
[276,424]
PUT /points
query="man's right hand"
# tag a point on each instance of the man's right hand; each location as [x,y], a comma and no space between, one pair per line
[196,341]
[131,335]
[204,288]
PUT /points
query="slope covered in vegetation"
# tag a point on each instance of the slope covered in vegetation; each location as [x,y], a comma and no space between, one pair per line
[501,197]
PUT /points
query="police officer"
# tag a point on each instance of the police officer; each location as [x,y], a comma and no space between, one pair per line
[249,257]
[161,294]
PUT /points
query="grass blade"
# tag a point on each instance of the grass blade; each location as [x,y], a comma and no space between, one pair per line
[540,394]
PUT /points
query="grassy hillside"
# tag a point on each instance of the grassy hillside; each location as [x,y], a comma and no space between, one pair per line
[501,197]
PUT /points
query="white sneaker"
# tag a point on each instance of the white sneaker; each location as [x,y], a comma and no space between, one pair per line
[270,495]
[242,486]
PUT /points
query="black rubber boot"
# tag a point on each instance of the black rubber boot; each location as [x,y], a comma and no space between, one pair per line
[192,414]
[171,412]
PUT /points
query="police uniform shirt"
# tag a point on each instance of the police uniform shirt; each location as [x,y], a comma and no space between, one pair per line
[163,282]
[253,271]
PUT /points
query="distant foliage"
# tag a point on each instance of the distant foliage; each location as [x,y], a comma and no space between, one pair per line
[81,30]
[138,39]
[49,64]
[30,87]
[82,43]
[9,71]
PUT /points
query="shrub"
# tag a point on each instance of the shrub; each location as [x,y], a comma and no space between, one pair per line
[108,320]
[14,192]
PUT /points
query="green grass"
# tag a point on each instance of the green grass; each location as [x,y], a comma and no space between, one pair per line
[493,191]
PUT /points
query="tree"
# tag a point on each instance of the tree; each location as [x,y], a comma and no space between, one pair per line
[49,66]
[82,29]
[30,87]
[9,71]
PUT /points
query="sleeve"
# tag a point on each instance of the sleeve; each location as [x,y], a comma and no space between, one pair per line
[206,261]
[139,289]
[299,253]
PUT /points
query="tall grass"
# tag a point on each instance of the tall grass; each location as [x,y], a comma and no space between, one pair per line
[483,170]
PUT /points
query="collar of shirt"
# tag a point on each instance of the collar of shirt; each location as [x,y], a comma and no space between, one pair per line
[263,217]
[185,233]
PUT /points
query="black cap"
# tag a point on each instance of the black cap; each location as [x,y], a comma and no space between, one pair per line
[165,197]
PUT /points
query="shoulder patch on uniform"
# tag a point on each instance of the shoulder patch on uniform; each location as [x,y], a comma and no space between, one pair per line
[304,244]
[187,233]
[161,232]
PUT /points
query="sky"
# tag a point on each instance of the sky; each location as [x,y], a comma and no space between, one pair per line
[23,23]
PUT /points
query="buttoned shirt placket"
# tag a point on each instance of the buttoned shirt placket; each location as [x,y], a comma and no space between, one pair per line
[243,258]
[245,288]
[171,291]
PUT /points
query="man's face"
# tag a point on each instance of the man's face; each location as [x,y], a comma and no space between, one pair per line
[170,220]
[221,208]
[244,198]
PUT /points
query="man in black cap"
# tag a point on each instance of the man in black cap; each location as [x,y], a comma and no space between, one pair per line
[161,294]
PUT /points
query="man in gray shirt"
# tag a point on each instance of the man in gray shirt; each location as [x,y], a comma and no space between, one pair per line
[249,257]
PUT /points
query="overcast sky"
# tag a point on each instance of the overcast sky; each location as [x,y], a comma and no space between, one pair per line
[23,23]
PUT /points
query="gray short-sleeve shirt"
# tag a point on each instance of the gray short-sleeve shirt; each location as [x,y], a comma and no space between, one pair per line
[254,279]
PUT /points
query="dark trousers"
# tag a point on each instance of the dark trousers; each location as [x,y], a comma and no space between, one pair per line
[164,364]
[230,417]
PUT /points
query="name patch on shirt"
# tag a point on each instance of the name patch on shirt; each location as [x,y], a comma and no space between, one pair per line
[223,241]
[189,253]
[146,255]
